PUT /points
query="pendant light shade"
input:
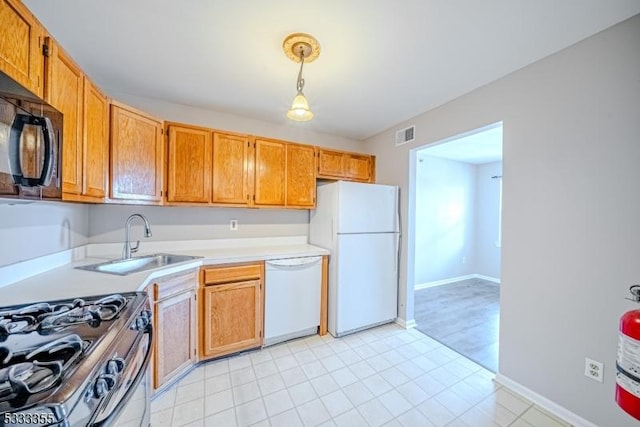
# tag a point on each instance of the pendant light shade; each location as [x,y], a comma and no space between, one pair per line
[300,48]
[300,111]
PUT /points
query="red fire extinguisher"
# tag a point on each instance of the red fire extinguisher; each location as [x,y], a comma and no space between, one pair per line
[628,361]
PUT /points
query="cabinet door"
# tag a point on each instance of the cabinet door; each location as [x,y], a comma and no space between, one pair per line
[175,336]
[230,169]
[136,156]
[330,164]
[64,91]
[189,165]
[95,163]
[301,176]
[270,169]
[21,38]
[358,168]
[232,317]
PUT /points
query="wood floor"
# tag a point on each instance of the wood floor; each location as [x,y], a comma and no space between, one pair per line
[464,316]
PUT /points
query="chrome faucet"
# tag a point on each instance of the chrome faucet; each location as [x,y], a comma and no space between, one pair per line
[128,249]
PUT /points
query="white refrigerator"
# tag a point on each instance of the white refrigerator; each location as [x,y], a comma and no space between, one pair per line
[359,224]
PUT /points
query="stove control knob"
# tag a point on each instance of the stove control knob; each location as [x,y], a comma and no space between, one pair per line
[103,385]
[141,323]
[115,366]
[100,388]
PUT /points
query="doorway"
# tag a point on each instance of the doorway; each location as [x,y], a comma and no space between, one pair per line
[456,221]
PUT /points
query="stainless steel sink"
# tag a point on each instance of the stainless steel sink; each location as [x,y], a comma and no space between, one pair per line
[123,267]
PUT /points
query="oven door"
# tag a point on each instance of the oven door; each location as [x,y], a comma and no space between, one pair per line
[134,410]
[129,403]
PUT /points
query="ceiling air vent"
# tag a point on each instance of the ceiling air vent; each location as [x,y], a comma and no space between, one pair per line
[405,135]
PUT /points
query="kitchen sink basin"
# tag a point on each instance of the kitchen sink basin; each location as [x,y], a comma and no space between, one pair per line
[123,267]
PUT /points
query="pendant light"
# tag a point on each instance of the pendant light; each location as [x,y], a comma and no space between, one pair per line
[300,48]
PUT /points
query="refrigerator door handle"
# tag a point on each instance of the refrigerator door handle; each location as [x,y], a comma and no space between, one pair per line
[397,253]
[332,221]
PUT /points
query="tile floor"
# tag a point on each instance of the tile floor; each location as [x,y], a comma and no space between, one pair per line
[386,376]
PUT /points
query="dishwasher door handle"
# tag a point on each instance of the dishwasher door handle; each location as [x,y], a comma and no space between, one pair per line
[293,262]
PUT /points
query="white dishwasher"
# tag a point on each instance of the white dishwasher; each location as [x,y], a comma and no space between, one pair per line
[292,298]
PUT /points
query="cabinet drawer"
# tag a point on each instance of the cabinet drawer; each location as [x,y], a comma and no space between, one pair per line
[174,284]
[233,273]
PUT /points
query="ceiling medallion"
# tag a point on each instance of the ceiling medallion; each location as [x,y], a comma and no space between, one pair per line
[294,42]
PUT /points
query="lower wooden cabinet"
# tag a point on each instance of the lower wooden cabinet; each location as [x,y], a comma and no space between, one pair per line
[174,303]
[230,310]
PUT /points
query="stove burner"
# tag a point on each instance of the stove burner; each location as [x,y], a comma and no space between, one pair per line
[31,377]
[66,349]
[22,375]
[46,317]
[16,325]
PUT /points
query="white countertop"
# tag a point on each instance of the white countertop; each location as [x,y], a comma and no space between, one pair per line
[68,282]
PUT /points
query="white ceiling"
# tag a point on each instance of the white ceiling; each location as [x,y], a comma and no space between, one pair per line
[477,147]
[381,62]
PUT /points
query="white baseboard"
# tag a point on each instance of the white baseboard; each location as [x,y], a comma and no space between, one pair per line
[453,280]
[543,402]
[487,278]
[406,324]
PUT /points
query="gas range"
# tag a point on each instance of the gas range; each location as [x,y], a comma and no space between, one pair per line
[72,362]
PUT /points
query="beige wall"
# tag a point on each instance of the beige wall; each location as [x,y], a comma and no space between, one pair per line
[36,229]
[571,211]
[106,223]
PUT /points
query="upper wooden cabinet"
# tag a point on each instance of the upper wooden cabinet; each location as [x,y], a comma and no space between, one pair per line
[85,138]
[64,90]
[301,176]
[330,164]
[136,156]
[204,166]
[334,164]
[359,167]
[222,168]
[21,41]
[232,169]
[95,144]
[189,163]
[270,171]
[285,174]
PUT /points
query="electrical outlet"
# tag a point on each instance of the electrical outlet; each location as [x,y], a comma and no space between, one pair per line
[233,225]
[593,369]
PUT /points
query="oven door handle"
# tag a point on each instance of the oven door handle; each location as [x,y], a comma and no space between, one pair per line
[118,408]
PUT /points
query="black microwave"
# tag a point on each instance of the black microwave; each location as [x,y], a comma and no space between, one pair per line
[30,147]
